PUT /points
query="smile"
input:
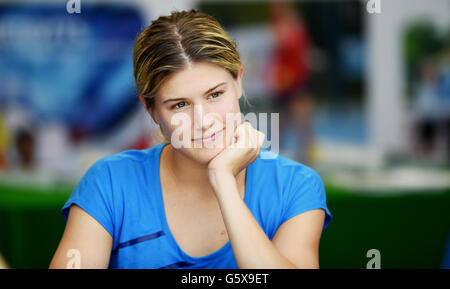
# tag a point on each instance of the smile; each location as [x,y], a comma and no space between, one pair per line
[209,139]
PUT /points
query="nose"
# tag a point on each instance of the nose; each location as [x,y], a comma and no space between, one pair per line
[198,117]
[201,123]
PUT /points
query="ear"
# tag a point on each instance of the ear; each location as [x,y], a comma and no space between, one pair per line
[141,98]
[150,110]
[239,81]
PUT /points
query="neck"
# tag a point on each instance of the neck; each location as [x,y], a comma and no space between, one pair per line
[194,179]
[195,176]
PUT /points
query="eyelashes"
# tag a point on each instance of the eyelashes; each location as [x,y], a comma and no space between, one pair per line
[176,105]
[216,94]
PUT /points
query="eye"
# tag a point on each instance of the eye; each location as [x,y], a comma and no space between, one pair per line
[176,106]
[216,94]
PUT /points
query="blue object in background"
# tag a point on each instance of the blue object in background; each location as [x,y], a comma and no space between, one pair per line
[70,68]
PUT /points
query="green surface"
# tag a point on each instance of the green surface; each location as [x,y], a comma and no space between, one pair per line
[409,230]
[31,224]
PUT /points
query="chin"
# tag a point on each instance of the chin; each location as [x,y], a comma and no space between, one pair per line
[205,155]
[202,155]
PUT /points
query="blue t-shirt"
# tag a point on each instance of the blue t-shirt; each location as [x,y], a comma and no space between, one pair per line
[123,193]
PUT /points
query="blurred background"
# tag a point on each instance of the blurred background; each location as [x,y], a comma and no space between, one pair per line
[363,98]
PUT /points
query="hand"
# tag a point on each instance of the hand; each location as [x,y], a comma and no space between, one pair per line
[244,150]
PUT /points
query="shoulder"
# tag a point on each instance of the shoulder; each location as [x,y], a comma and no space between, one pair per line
[285,188]
[126,160]
[284,168]
[285,178]
[110,177]
[123,168]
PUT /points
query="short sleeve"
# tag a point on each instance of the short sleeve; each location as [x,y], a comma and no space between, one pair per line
[306,193]
[94,195]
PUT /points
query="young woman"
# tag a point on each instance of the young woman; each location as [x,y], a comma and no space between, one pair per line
[207,199]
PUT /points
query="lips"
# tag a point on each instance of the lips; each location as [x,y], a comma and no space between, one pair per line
[210,138]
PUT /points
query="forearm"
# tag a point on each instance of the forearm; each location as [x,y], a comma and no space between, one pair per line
[252,248]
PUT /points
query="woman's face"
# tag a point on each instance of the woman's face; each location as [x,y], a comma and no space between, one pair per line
[196,103]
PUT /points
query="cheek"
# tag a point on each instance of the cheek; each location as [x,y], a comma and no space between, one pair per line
[166,128]
[179,130]
[229,107]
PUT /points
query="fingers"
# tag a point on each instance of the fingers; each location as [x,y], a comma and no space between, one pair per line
[249,137]
[260,138]
[239,137]
[243,133]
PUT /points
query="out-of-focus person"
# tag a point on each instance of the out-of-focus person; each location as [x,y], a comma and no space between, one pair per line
[444,92]
[287,76]
[433,108]
[427,105]
[25,150]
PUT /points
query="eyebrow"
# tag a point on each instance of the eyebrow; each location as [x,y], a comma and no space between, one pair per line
[206,92]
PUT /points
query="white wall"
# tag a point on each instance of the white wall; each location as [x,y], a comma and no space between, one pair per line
[386,103]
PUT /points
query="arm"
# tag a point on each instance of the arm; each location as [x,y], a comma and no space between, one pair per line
[251,247]
[3,264]
[298,238]
[85,234]
[295,245]
[296,242]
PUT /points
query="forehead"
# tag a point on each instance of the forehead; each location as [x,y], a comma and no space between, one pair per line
[193,80]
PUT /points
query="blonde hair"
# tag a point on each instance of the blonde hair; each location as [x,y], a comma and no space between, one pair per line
[173,42]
